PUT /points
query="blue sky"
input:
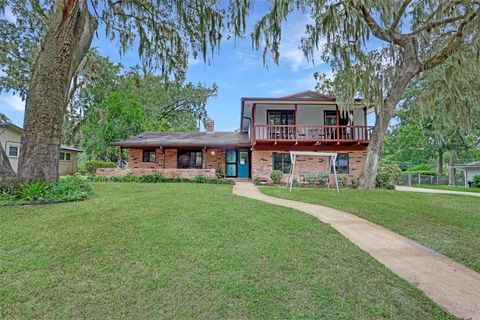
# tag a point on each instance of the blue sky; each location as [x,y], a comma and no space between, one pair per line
[235,68]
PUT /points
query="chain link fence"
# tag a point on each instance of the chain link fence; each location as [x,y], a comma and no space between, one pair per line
[411,179]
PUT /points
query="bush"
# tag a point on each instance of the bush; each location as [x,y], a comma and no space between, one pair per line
[71,188]
[91,166]
[476,181]
[420,167]
[387,174]
[276,176]
[32,191]
[342,181]
[158,178]
[220,172]
[321,179]
[200,179]
[257,181]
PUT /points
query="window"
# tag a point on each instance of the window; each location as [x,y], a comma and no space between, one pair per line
[188,159]
[65,156]
[330,118]
[341,164]
[148,155]
[282,162]
[12,151]
[281,117]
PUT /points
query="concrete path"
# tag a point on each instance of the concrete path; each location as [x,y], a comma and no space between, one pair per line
[426,190]
[454,287]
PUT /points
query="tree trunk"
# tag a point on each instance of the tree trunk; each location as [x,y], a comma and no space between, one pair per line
[370,168]
[5,166]
[451,168]
[440,163]
[66,43]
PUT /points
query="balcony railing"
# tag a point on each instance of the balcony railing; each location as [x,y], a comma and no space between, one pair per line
[312,134]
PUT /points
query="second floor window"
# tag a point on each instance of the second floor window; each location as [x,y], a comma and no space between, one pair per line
[281,117]
[149,155]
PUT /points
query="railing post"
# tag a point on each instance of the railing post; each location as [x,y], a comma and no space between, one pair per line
[409,180]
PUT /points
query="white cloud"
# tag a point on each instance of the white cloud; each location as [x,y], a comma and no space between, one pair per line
[12,102]
[290,51]
[8,14]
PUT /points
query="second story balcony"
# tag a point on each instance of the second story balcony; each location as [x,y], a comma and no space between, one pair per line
[314,134]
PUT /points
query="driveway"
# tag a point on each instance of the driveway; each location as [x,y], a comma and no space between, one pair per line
[453,286]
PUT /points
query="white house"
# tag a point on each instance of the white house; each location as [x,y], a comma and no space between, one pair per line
[470,170]
[10,136]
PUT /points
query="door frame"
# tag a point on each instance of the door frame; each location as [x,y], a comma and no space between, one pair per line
[227,163]
[249,161]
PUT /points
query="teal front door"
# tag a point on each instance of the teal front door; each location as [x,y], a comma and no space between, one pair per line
[243,164]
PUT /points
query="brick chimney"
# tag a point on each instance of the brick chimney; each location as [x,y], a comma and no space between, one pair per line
[209,125]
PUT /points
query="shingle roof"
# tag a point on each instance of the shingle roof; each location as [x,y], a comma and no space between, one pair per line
[188,139]
[470,164]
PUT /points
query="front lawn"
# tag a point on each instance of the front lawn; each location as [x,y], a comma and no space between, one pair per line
[448,224]
[189,251]
[444,187]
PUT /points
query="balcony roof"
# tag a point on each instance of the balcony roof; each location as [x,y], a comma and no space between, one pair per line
[308,97]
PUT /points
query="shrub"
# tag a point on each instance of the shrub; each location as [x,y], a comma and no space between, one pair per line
[342,181]
[355,183]
[70,188]
[387,174]
[220,172]
[200,179]
[276,176]
[420,167]
[321,179]
[476,181]
[257,181]
[158,178]
[91,166]
[32,191]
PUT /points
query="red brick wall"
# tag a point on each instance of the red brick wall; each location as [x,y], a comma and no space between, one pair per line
[167,159]
[262,164]
[135,159]
[170,173]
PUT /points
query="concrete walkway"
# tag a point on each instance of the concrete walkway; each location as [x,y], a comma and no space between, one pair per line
[454,287]
[426,190]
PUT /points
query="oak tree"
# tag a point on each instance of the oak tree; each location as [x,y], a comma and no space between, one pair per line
[44,45]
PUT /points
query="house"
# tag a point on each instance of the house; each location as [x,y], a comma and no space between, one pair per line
[10,136]
[470,170]
[269,129]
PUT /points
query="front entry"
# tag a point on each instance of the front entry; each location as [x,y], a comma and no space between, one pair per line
[237,163]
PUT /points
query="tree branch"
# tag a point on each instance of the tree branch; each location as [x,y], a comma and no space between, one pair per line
[400,13]
[452,46]
[437,24]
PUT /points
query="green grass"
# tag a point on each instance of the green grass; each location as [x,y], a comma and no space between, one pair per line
[448,224]
[189,251]
[444,187]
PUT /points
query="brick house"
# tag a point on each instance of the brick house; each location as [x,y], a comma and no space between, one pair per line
[269,129]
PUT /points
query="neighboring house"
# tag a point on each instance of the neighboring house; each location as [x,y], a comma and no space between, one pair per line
[10,136]
[470,170]
[269,129]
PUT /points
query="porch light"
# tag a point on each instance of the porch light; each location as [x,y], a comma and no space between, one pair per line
[212,153]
